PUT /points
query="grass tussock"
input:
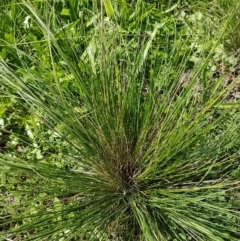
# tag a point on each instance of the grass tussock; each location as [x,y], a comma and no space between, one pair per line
[129,134]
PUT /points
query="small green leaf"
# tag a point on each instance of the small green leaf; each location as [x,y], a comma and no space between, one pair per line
[9,37]
[65,12]
[229,105]
[39,155]
[218,83]
[1,122]
[3,53]
[108,8]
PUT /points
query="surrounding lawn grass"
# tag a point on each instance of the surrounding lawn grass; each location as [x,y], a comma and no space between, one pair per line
[119,120]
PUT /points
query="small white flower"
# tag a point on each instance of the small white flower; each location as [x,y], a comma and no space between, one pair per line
[26,22]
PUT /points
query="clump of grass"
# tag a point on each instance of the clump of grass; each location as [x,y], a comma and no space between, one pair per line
[154,141]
